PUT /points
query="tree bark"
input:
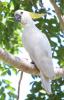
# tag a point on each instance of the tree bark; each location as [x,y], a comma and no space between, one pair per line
[25,65]
[20,63]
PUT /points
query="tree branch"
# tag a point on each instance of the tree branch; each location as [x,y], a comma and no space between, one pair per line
[25,65]
[59,15]
[20,63]
[59,72]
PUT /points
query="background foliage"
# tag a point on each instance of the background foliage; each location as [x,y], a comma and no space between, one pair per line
[11,41]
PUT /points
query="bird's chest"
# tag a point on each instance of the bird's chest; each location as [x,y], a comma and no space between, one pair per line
[29,41]
[28,38]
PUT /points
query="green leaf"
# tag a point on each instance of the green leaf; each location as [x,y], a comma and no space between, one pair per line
[9,72]
[3,96]
[4,73]
[2,90]
[10,88]
[7,82]
[12,95]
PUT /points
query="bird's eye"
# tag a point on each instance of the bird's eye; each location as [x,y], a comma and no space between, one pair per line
[21,12]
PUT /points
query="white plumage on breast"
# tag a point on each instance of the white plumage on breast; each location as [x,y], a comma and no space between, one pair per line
[37,44]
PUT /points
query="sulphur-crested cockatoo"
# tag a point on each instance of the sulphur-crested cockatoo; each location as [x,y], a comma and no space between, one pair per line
[38,46]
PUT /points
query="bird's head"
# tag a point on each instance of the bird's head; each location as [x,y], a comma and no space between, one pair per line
[26,17]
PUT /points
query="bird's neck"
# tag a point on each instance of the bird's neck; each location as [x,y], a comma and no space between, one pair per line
[30,23]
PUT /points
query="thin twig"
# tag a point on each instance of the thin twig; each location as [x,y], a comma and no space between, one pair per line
[21,75]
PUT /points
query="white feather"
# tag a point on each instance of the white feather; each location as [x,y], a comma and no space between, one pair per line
[46,83]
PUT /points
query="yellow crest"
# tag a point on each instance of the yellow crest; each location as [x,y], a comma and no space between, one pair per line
[36,15]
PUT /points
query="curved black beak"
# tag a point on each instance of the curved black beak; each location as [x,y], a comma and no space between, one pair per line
[17,17]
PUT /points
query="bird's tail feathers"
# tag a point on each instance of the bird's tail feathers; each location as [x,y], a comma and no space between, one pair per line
[46,83]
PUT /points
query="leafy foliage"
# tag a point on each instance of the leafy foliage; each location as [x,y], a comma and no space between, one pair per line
[10,40]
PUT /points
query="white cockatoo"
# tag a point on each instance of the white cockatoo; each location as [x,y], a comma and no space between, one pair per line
[38,46]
